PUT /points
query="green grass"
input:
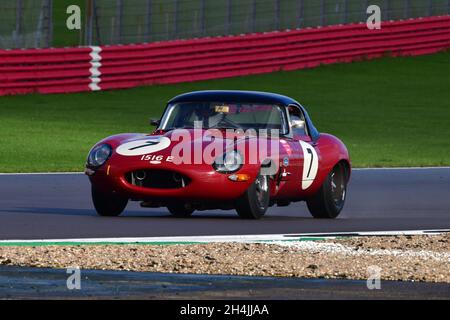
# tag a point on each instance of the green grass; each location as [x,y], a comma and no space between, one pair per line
[389,112]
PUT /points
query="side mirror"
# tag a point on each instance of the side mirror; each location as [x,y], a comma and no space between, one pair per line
[297,124]
[155,122]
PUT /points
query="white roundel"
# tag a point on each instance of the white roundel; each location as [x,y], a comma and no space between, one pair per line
[310,164]
[143,146]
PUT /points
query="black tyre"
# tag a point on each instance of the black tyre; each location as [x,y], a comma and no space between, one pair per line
[181,210]
[254,202]
[328,202]
[108,204]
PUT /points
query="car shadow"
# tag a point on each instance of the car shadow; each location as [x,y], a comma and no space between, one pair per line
[135,214]
[68,211]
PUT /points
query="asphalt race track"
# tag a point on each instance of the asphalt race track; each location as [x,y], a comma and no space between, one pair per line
[40,283]
[58,206]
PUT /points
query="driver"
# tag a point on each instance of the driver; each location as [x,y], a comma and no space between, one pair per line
[208,115]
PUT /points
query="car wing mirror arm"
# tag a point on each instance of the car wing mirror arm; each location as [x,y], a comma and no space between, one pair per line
[155,122]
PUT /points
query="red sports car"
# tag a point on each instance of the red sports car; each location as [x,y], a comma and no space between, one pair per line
[239,150]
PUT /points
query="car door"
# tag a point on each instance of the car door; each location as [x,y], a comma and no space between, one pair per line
[305,154]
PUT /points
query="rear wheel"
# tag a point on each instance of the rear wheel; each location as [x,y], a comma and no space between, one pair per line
[254,202]
[181,210]
[108,204]
[328,202]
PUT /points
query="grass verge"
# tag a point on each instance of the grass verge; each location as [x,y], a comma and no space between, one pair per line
[389,112]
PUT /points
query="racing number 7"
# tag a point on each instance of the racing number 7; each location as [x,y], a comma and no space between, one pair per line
[310,164]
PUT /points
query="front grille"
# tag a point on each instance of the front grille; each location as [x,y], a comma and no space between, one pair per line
[159,179]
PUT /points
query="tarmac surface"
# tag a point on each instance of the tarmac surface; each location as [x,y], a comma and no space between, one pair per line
[58,206]
[37,283]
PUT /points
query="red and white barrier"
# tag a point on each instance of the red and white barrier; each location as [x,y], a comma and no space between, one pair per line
[114,67]
[96,63]
[44,70]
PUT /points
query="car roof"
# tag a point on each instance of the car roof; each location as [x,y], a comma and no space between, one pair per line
[234,95]
[244,96]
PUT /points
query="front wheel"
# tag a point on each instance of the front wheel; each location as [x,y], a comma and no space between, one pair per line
[328,202]
[108,204]
[254,202]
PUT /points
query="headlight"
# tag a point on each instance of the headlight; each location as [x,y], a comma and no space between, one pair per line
[99,155]
[229,162]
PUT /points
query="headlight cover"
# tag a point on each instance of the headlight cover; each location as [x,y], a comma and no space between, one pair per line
[229,162]
[99,155]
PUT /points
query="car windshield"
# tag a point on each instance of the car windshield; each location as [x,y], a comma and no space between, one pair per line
[227,115]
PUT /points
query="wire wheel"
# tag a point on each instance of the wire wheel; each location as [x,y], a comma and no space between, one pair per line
[254,203]
[262,189]
[329,200]
[338,186]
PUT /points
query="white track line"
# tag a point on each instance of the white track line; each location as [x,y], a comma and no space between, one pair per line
[353,169]
[376,233]
[337,248]
[231,238]
[205,239]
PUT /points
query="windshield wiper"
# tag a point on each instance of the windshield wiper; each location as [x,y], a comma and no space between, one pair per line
[183,127]
[226,128]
